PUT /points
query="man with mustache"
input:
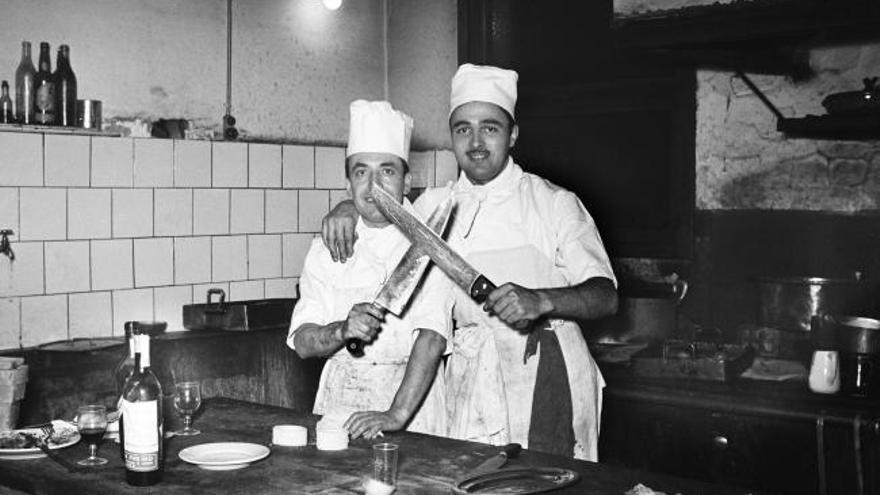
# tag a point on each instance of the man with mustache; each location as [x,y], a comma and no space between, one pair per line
[520,370]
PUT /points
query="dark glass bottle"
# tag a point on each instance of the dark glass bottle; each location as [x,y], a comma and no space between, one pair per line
[24,86]
[65,89]
[143,421]
[44,89]
[7,108]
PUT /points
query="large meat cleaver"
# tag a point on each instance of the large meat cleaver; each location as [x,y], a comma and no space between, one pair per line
[459,271]
[397,290]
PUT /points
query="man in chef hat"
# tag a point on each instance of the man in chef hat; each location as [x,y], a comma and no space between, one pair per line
[520,371]
[378,390]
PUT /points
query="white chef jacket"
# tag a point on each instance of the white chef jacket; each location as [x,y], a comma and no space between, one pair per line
[329,289]
[523,229]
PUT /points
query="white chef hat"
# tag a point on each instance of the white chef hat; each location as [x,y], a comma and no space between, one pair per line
[484,83]
[376,127]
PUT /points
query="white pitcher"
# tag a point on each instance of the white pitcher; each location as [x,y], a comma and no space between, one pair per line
[825,372]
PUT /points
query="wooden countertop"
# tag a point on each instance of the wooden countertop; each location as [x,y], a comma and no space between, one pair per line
[428,465]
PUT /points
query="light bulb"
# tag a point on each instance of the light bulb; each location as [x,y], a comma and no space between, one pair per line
[332,4]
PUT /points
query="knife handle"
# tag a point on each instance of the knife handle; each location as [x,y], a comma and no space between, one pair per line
[512,450]
[481,288]
[355,347]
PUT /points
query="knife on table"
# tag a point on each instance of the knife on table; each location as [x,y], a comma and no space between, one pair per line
[494,462]
[459,271]
[398,289]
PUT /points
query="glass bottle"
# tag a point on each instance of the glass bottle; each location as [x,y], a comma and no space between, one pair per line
[24,86]
[125,366]
[65,90]
[142,420]
[44,89]
[7,108]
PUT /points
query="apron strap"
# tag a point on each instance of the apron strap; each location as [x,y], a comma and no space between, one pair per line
[550,428]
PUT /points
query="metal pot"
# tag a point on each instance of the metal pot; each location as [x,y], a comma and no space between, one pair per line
[788,303]
[850,334]
[647,312]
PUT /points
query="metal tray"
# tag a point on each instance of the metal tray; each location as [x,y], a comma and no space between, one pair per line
[254,314]
[697,360]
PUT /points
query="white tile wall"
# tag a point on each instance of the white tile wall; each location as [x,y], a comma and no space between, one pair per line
[131,305]
[246,211]
[242,291]
[112,162]
[298,166]
[264,165]
[67,267]
[210,211]
[329,167]
[109,230]
[229,259]
[88,213]
[153,262]
[153,163]
[169,305]
[9,209]
[43,319]
[43,213]
[294,250]
[337,195]
[313,205]
[10,330]
[112,264]
[174,212]
[67,160]
[192,260]
[91,315]
[24,276]
[192,164]
[282,210]
[21,163]
[264,253]
[132,212]
[229,164]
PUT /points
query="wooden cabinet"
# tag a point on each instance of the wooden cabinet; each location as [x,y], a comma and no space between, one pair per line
[739,442]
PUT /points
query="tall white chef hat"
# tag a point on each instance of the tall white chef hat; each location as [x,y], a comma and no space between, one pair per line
[484,83]
[376,127]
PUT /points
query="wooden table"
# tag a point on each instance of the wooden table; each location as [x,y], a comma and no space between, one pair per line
[428,465]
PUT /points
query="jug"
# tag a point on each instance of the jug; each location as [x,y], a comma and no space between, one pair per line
[825,372]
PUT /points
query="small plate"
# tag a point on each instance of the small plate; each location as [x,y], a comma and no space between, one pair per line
[224,456]
[65,435]
[518,481]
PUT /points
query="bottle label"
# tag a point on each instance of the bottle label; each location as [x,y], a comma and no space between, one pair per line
[141,423]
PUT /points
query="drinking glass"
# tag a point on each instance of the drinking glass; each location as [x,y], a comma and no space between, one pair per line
[92,423]
[187,399]
[385,462]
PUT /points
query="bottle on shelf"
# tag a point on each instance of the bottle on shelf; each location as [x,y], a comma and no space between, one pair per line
[142,420]
[65,89]
[7,108]
[44,89]
[24,86]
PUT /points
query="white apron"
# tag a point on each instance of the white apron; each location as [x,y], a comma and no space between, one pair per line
[505,233]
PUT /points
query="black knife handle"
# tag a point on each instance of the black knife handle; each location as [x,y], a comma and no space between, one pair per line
[512,450]
[481,288]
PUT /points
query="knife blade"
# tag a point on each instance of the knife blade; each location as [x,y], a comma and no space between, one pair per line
[497,460]
[396,292]
[476,285]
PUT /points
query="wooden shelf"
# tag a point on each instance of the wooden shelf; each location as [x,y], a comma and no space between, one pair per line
[51,129]
[840,127]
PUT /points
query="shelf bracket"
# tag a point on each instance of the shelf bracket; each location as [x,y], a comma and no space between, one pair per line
[766,101]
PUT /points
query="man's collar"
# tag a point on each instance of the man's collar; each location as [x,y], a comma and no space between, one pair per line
[504,181]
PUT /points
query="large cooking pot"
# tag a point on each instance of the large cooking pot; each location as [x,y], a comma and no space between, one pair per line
[647,312]
[788,303]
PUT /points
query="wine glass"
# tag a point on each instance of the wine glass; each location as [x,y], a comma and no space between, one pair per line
[92,423]
[187,399]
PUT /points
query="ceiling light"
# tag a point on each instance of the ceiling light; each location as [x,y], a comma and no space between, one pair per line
[332,4]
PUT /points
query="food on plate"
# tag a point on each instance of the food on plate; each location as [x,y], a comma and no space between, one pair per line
[30,438]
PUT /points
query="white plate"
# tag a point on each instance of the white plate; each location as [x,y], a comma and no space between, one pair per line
[65,435]
[224,456]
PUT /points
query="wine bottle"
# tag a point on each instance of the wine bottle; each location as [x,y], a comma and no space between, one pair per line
[44,89]
[24,86]
[7,108]
[65,89]
[142,420]
[121,373]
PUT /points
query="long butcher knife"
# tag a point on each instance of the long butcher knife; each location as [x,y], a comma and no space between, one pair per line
[459,271]
[398,289]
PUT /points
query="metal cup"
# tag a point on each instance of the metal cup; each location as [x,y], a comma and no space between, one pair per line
[88,114]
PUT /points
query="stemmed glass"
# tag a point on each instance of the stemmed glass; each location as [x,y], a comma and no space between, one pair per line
[92,423]
[187,399]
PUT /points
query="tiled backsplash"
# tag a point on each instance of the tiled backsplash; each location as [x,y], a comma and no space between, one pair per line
[115,229]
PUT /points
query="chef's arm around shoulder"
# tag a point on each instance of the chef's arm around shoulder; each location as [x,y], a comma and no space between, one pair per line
[338,230]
